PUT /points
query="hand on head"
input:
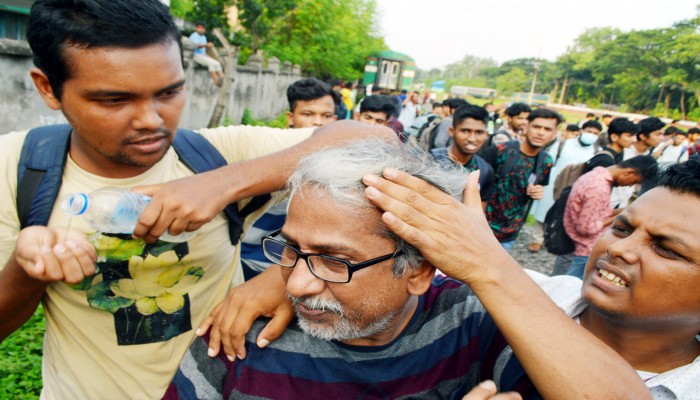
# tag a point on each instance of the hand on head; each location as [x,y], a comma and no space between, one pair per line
[439,226]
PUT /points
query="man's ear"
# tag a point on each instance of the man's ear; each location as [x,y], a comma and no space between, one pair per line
[631,173]
[452,131]
[41,81]
[290,119]
[419,279]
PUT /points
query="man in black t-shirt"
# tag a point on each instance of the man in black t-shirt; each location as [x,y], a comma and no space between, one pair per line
[621,134]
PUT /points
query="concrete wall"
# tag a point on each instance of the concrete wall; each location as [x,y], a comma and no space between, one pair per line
[260,89]
[21,106]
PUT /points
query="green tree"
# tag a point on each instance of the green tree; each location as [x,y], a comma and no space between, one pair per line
[327,38]
[181,8]
[211,12]
[515,80]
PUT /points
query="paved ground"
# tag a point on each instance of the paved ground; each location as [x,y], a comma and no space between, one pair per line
[541,262]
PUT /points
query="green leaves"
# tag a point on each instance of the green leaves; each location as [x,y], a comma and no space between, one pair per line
[637,68]
[327,38]
[20,364]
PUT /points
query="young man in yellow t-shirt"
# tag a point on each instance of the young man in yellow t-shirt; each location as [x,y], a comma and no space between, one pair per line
[114,69]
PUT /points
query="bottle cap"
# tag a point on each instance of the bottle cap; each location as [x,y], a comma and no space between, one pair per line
[74,203]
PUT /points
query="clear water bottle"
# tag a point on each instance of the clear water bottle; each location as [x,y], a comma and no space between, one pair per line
[113,210]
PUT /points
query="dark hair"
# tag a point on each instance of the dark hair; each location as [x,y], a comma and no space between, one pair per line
[593,124]
[378,103]
[649,125]
[670,130]
[307,90]
[640,164]
[607,116]
[590,115]
[517,109]
[455,103]
[54,25]
[545,113]
[681,132]
[436,104]
[403,91]
[683,178]
[335,82]
[621,125]
[694,130]
[573,128]
[200,23]
[470,111]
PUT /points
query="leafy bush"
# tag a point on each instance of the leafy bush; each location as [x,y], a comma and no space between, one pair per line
[20,364]
[248,119]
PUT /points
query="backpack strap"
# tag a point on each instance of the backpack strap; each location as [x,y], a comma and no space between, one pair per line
[40,173]
[484,168]
[199,155]
[539,164]
[512,157]
[607,152]
[440,154]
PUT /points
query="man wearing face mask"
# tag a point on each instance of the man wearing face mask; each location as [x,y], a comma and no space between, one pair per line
[572,151]
[582,148]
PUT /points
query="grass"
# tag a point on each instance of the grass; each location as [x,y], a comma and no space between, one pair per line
[20,360]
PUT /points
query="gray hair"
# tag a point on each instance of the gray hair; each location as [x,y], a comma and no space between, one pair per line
[338,171]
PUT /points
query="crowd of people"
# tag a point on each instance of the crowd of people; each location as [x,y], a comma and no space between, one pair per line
[340,259]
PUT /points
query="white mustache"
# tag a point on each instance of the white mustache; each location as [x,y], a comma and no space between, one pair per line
[318,303]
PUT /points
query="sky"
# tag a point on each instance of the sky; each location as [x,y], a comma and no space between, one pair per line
[439,32]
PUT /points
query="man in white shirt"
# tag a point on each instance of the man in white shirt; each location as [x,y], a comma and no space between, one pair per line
[676,149]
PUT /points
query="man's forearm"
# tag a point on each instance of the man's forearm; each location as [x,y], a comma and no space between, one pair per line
[19,297]
[270,173]
[562,359]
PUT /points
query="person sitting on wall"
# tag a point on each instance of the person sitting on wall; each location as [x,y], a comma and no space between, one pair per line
[201,44]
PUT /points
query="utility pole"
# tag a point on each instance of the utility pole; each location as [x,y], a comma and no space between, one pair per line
[229,68]
[534,78]
[563,89]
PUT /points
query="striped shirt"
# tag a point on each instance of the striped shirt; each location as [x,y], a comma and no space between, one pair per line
[253,259]
[450,345]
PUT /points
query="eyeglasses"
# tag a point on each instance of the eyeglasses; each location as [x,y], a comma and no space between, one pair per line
[327,268]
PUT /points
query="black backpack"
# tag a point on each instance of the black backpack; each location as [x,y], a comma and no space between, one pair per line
[556,240]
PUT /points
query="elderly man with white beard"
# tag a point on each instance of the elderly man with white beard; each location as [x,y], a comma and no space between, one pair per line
[373,321]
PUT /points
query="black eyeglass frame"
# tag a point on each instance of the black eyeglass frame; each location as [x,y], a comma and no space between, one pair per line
[352,268]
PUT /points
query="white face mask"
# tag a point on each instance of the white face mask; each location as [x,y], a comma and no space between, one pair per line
[587,139]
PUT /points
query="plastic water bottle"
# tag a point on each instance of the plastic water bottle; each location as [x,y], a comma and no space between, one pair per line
[113,210]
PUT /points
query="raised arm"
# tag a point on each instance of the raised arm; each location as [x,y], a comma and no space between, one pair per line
[186,204]
[562,359]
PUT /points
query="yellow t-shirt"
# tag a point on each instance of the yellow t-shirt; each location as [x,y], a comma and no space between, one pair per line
[122,333]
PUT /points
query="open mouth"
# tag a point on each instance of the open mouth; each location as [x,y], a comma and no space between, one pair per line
[612,278]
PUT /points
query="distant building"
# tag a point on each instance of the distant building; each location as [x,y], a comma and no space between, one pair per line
[13,18]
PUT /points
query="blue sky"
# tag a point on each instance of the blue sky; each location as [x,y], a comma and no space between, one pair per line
[439,32]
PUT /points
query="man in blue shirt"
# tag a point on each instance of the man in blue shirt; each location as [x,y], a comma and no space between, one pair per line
[199,39]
